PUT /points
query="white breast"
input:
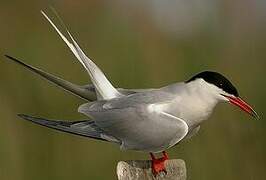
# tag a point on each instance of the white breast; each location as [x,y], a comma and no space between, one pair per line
[193,105]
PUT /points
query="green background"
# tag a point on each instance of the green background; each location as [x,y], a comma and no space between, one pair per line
[138,44]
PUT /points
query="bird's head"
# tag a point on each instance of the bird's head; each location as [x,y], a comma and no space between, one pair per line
[222,89]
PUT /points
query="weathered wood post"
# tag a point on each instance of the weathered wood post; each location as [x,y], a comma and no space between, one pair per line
[141,170]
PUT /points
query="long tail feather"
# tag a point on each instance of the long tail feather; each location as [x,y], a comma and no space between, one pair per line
[104,88]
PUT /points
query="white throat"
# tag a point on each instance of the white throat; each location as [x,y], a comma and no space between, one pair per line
[198,102]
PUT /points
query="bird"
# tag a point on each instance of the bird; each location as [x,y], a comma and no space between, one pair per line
[147,120]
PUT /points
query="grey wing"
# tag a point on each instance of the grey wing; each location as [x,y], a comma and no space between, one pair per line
[85,128]
[80,91]
[90,88]
[139,128]
[86,92]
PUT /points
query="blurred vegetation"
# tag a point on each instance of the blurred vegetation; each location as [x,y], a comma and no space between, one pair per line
[138,44]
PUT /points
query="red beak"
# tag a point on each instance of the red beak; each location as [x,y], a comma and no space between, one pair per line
[242,105]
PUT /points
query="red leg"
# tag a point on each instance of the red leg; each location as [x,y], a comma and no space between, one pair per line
[158,164]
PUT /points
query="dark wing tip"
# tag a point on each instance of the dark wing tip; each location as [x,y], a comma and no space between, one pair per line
[23,116]
[37,120]
[65,127]
[10,57]
[26,117]
[17,61]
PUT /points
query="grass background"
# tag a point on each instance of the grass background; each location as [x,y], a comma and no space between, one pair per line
[138,44]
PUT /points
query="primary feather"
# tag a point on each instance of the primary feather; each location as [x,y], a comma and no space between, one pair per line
[85,128]
[86,92]
[83,92]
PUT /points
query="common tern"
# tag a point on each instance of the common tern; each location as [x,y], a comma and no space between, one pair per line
[148,120]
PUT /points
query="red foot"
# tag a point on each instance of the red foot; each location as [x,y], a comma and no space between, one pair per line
[158,164]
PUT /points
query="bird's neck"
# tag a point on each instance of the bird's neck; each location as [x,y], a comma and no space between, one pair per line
[198,103]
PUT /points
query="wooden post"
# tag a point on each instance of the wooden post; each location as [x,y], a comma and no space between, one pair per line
[141,170]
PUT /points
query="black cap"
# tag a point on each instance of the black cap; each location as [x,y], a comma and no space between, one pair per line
[216,79]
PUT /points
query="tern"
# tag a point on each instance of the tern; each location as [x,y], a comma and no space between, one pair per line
[147,120]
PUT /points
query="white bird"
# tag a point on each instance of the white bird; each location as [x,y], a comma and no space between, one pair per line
[149,120]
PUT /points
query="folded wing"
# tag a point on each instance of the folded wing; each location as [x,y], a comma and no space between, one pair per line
[85,128]
[138,127]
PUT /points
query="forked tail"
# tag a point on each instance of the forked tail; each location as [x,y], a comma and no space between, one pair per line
[104,88]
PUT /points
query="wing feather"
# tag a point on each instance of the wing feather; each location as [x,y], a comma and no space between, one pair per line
[138,127]
[85,128]
[104,88]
